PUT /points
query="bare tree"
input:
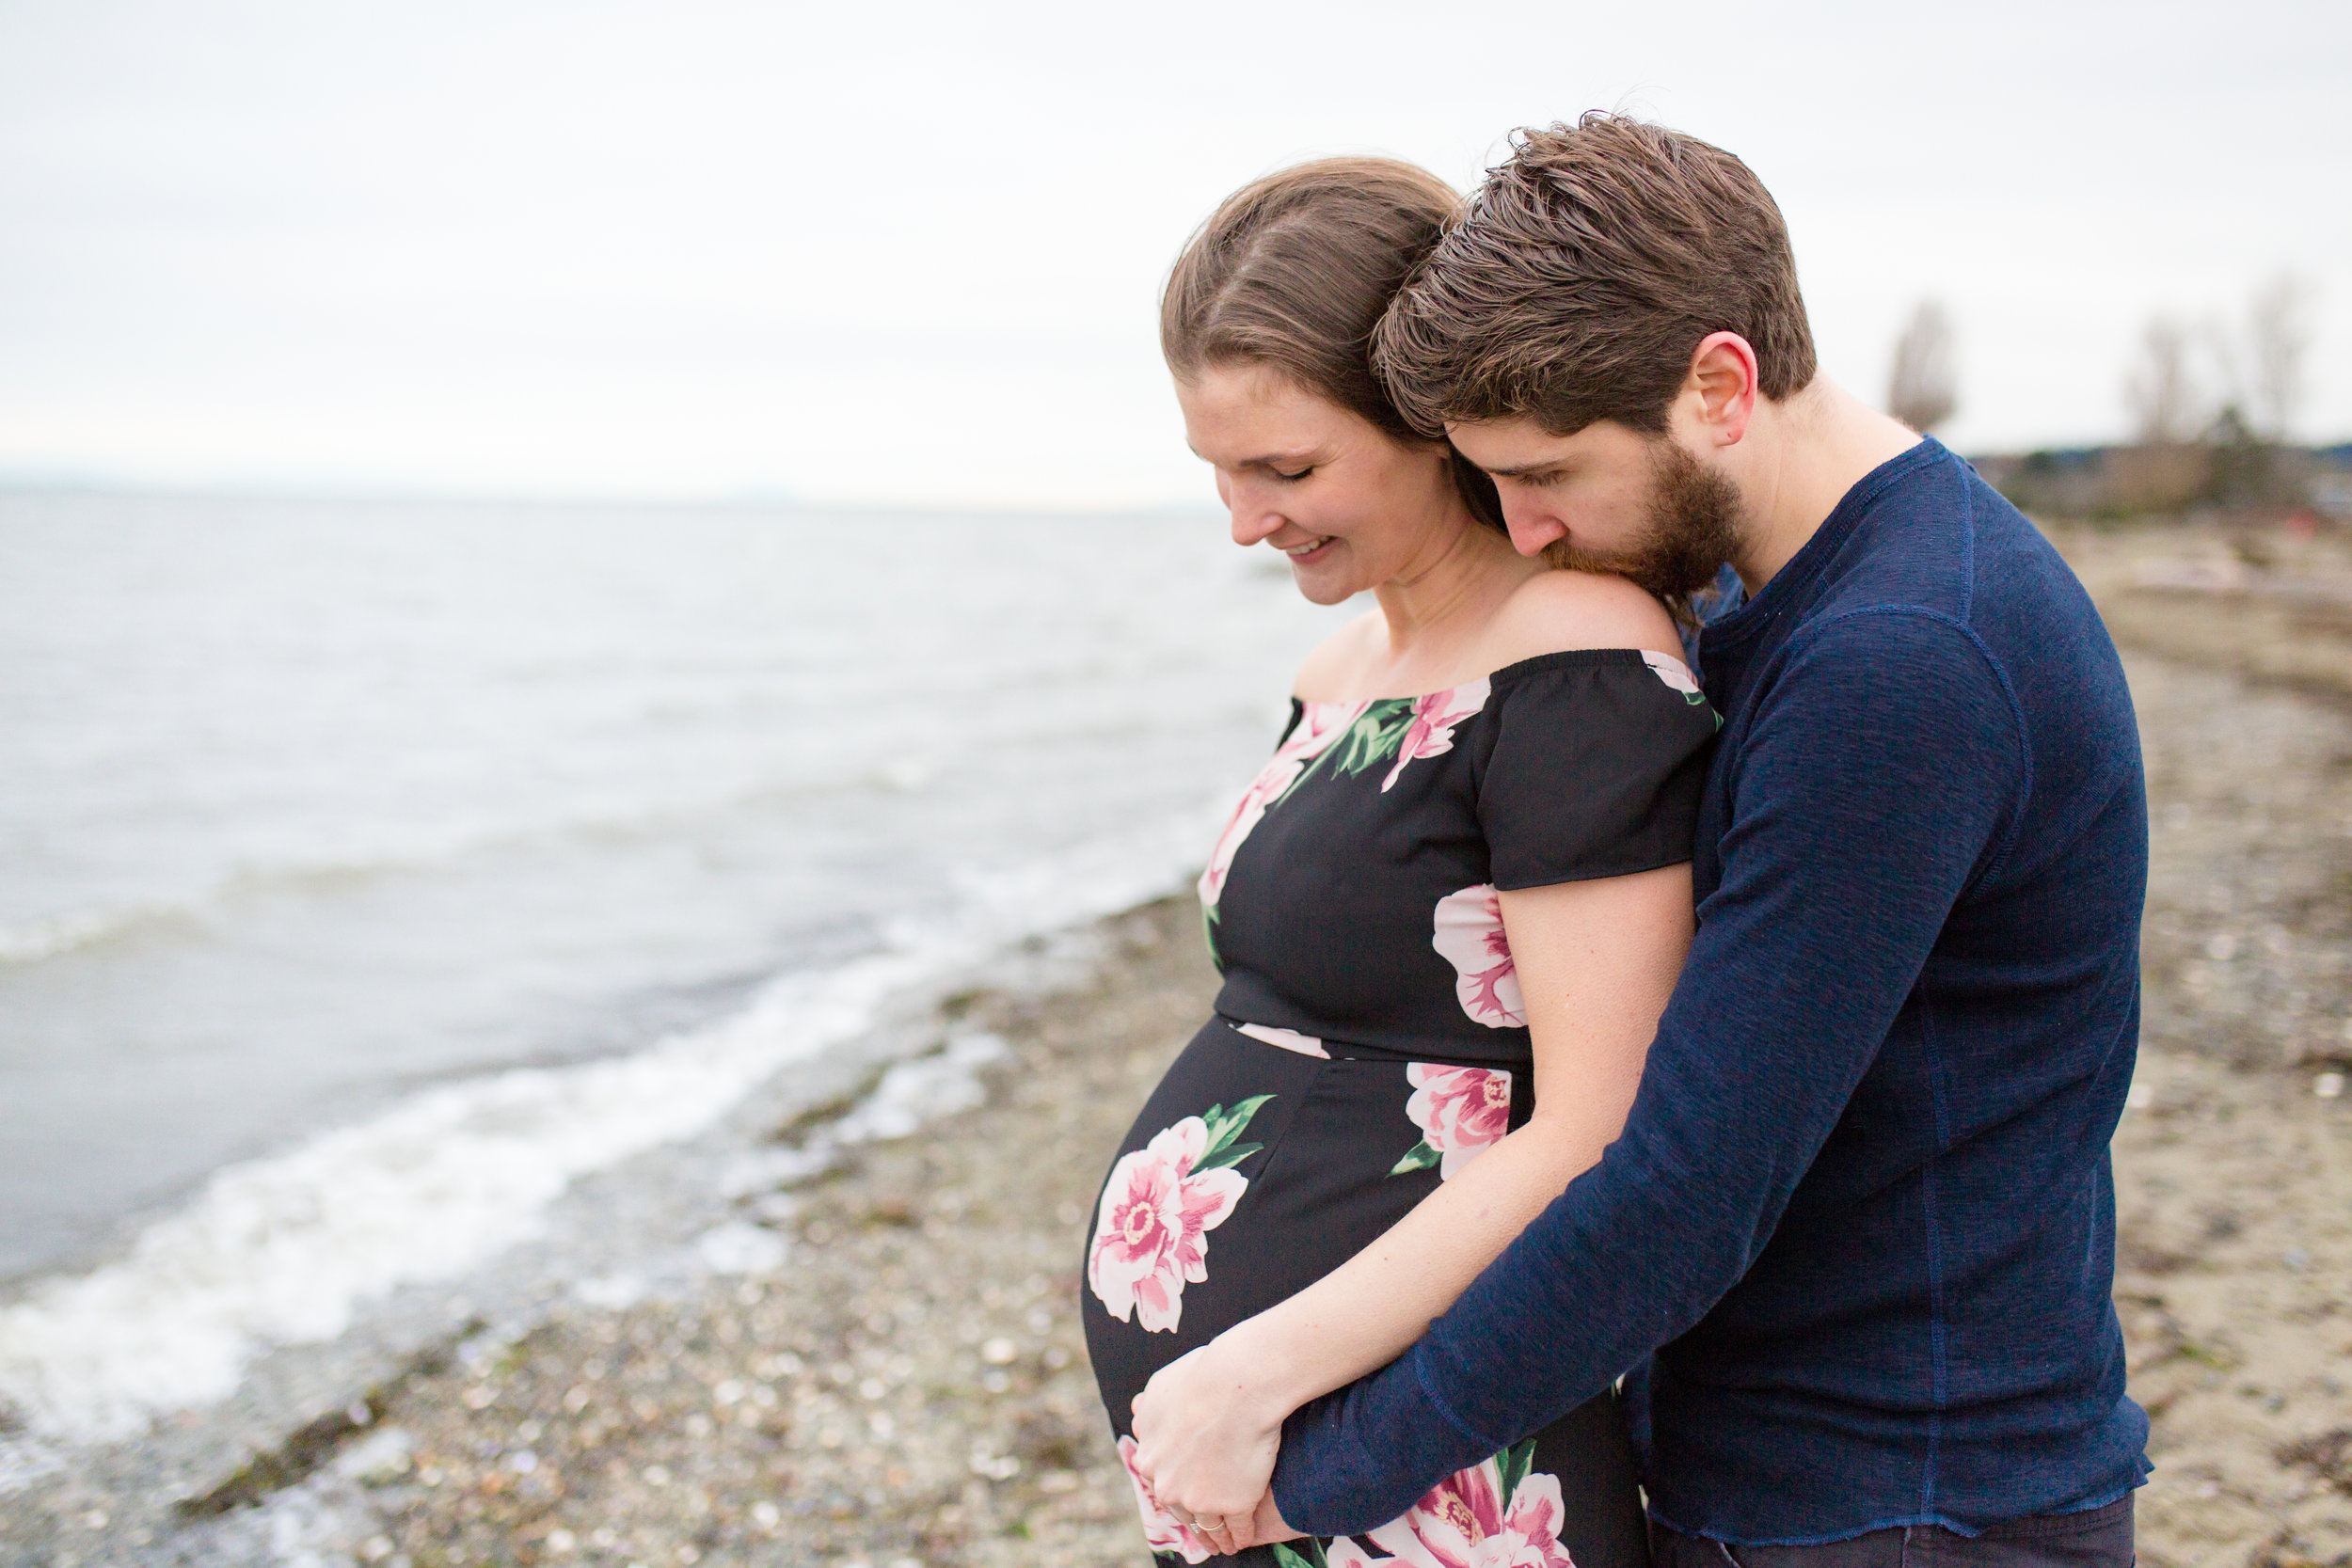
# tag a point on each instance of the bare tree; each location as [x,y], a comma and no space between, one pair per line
[2279,333]
[1924,389]
[2213,405]
[2168,407]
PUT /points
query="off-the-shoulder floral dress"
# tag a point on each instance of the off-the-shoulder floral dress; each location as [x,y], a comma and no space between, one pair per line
[1370,1040]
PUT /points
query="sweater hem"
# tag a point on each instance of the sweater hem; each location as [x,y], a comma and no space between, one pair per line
[1901,1521]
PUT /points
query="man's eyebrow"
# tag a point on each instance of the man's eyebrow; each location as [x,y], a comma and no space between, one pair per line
[1524,470]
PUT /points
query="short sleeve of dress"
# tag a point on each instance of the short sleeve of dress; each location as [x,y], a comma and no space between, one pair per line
[1593,765]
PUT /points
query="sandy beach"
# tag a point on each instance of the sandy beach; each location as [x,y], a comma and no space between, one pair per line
[904,1382]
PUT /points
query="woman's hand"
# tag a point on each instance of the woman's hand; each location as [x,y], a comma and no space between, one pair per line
[1232,1534]
[1207,1431]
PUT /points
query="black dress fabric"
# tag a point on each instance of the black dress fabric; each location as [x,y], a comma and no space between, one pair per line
[1369,1039]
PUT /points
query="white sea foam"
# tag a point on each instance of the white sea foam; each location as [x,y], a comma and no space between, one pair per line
[30,941]
[913,1093]
[281,1250]
[284,1250]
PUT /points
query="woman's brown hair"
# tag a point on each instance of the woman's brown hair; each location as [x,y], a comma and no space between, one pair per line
[1294,272]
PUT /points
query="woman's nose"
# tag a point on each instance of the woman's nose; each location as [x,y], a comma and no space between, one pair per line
[1253,520]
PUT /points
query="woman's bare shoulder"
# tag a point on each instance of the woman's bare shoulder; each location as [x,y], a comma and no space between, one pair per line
[1559,610]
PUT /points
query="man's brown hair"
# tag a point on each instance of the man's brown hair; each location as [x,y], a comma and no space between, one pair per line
[1581,277]
[1293,271]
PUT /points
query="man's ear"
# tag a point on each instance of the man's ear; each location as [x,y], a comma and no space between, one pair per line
[1720,388]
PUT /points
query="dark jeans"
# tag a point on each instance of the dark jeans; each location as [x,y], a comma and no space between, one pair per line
[2094,1538]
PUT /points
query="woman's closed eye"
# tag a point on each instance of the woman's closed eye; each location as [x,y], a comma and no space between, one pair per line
[1292,478]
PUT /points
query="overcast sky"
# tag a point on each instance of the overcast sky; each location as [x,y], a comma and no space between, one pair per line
[909,253]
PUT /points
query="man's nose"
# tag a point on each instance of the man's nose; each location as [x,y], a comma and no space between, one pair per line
[1532,525]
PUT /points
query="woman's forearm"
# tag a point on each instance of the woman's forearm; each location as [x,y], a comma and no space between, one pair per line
[1596,962]
[1363,1314]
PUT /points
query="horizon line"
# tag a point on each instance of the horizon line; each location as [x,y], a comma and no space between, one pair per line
[747,498]
[751,498]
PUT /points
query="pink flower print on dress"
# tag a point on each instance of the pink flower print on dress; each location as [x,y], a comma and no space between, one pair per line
[1272,780]
[1461,1112]
[1430,731]
[1150,1235]
[1469,934]
[1162,1532]
[1319,725]
[1675,674]
[1463,1522]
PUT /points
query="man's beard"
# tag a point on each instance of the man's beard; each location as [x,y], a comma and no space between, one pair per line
[1693,528]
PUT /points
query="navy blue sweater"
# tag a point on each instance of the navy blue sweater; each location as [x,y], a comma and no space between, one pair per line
[1855,1245]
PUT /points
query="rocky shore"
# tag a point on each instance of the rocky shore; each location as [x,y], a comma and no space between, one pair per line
[2233,1167]
[901,1381]
[896,1377]
[910,1387]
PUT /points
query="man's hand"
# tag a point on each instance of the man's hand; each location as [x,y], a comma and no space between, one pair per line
[1206,1440]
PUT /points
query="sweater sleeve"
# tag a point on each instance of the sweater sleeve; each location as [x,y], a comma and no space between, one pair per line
[1879,773]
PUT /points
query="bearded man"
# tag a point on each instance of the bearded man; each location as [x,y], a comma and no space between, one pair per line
[1852,1256]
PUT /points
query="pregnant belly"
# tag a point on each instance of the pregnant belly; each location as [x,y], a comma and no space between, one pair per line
[1254,1171]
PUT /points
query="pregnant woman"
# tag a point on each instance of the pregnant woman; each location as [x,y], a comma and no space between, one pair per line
[1448,913]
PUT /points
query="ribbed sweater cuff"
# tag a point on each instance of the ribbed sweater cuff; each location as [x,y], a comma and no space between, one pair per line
[1355,1459]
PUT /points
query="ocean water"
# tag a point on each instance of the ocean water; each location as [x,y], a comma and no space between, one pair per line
[370,871]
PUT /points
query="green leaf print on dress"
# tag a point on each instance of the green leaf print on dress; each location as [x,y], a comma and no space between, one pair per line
[1224,1127]
[1408,728]
[1419,1157]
